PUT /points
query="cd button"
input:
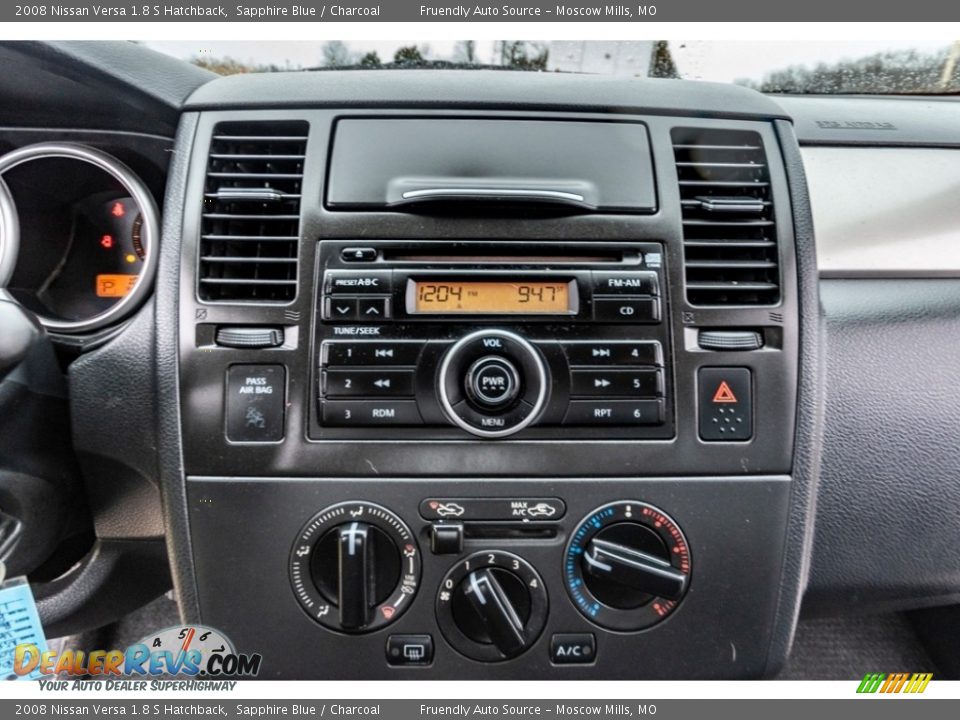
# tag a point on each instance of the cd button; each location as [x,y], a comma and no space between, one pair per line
[626,310]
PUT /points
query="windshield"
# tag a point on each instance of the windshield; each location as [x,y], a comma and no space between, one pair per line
[803,67]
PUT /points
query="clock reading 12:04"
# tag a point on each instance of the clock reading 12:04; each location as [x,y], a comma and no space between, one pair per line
[469,297]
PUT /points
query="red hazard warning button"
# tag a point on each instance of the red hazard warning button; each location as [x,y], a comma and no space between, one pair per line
[724,394]
[726,405]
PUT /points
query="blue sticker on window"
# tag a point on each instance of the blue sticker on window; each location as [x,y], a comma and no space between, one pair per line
[19,625]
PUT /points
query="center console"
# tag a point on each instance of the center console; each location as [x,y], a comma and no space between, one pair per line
[487,393]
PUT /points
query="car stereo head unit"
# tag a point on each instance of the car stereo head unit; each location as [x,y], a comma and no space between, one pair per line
[488,340]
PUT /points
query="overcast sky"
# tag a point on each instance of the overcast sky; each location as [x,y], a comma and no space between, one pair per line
[701,60]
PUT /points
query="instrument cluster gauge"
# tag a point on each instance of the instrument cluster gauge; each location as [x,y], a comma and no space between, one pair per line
[89,229]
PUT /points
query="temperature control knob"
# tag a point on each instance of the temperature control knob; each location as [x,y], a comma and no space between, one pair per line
[492,606]
[355,567]
[627,566]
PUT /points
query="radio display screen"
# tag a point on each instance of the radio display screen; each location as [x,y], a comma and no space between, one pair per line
[493,297]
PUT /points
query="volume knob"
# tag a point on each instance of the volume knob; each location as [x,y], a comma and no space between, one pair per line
[492,383]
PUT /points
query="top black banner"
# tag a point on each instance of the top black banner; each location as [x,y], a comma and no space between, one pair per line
[511,11]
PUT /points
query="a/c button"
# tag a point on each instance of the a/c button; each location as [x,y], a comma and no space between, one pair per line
[573,648]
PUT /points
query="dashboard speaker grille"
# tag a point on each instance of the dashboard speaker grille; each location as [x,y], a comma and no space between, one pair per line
[729,233]
[251,212]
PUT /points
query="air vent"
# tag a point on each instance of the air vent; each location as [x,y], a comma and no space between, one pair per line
[729,236]
[251,212]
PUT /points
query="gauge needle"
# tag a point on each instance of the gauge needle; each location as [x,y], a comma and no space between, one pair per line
[187,640]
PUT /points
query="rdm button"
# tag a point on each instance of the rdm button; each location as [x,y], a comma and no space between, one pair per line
[726,405]
[255,403]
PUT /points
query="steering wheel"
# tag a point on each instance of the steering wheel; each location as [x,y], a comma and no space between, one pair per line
[19,329]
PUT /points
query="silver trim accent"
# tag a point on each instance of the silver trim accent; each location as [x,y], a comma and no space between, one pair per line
[445,400]
[9,235]
[520,193]
[150,230]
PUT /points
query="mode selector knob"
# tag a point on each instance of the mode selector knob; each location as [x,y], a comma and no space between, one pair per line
[492,606]
[492,383]
[355,567]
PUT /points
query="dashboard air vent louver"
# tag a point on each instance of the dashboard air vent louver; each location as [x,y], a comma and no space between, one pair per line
[730,240]
[251,212]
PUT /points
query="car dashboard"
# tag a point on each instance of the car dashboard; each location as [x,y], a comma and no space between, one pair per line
[443,374]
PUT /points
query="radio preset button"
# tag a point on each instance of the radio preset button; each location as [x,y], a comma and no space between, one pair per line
[613,353]
[337,353]
[614,412]
[492,382]
[368,383]
[636,383]
[358,283]
[626,310]
[358,413]
[625,283]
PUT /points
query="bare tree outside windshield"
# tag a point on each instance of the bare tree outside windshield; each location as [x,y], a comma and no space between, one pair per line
[802,67]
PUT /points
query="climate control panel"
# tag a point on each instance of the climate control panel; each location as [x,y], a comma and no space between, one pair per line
[488,577]
[355,567]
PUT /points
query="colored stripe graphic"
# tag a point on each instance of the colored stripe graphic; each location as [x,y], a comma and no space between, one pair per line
[871,682]
[894,683]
